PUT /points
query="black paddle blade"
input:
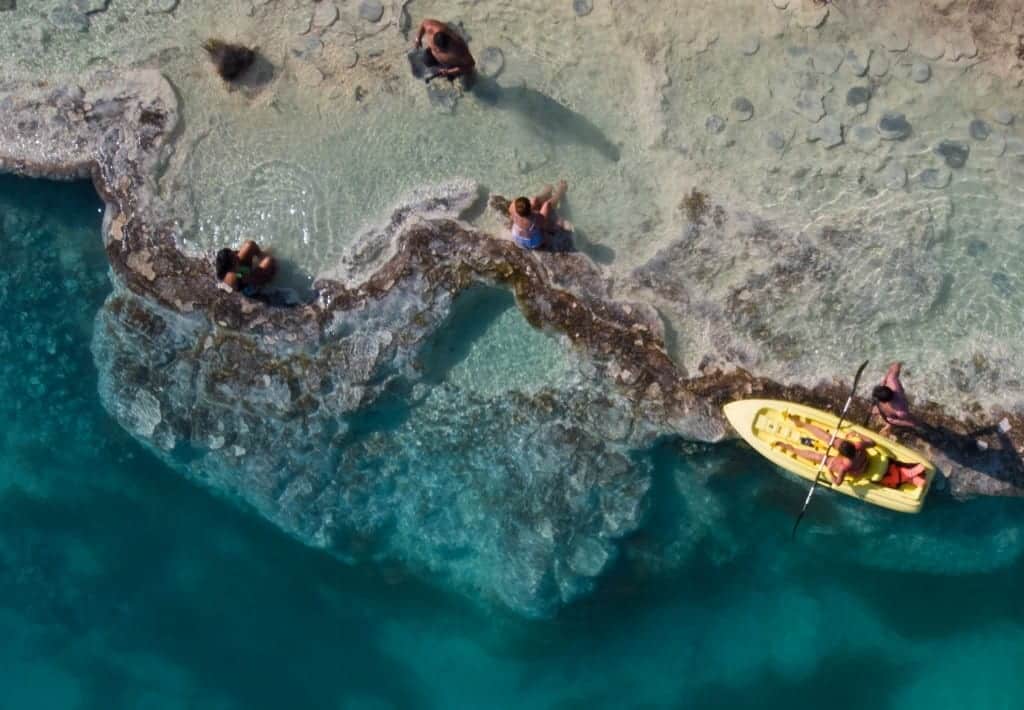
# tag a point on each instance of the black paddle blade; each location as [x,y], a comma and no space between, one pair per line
[839,425]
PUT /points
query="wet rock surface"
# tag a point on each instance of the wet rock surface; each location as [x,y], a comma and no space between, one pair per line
[208,378]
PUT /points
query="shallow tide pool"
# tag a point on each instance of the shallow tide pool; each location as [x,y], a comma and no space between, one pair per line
[122,586]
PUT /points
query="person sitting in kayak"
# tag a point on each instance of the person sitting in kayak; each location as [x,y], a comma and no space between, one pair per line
[532,219]
[891,401]
[245,270]
[852,458]
[446,51]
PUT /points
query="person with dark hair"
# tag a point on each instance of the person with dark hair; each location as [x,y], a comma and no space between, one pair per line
[853,459]
[446,51]
[533,219]
[245,270]
[891,401]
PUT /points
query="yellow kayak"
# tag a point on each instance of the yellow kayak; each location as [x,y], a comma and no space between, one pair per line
[763,421]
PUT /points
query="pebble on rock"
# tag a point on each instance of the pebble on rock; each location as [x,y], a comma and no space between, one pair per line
[165,6]
[1003,115]
[879,65]
[68,18]
[714,124]
[371,10]
[954,152]
[491,62]
[920,72]
[894,176]
[90,7]
[810,105]
[893,126]
[742,108]
[858,96]
[750,44]
[935,178]
[349,58]
[896,42]
[858,61]
[582,8]
[325,15]
[979,130]
[864,139]
[829,132]
[827,59]
[776,140]
[976,247]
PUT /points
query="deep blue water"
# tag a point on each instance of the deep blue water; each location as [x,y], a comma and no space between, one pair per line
[123,586]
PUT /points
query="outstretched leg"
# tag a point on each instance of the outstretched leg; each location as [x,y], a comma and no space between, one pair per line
[548,208]
[543,196]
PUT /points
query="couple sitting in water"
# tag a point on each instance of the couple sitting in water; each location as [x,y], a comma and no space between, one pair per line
[246,270]
[534,220]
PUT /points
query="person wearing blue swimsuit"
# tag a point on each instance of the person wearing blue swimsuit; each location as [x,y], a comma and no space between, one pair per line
[531,219]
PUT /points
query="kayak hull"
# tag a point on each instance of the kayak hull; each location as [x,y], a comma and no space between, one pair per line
[763,421]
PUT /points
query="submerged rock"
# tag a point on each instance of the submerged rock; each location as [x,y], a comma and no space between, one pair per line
[894,126]
[582,7]
[69,18]
[857,61]
[935,178]
[742,108]
[1003,115]
[714,124]
[491,62]
[90,7]
[829,132]
[7,5]
[953,152]
[858,97]
[371,10]
[979,130]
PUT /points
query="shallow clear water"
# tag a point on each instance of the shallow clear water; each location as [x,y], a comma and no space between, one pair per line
[122,586]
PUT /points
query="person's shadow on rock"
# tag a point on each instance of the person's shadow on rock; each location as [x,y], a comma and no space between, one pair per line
[547,118]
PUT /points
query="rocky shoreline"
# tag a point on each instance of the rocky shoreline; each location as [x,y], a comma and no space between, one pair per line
[208,378]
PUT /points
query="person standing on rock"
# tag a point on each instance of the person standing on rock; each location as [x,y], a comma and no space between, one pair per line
[891,401]
[446,53]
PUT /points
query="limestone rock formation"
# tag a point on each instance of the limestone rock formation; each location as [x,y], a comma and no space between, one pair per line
[259,402]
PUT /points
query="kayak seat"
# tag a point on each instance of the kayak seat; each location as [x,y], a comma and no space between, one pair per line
[878,464]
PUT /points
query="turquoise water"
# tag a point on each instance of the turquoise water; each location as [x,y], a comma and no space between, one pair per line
[122,586]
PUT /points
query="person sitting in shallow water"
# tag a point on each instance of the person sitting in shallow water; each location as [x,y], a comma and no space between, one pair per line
[446,51]
[891,401]
[247,269]
[533,219]
[852,457]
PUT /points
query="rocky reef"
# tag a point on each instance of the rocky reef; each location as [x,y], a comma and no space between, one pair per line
[259,402]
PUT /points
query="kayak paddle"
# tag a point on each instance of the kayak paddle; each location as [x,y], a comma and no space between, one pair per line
[828,449]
